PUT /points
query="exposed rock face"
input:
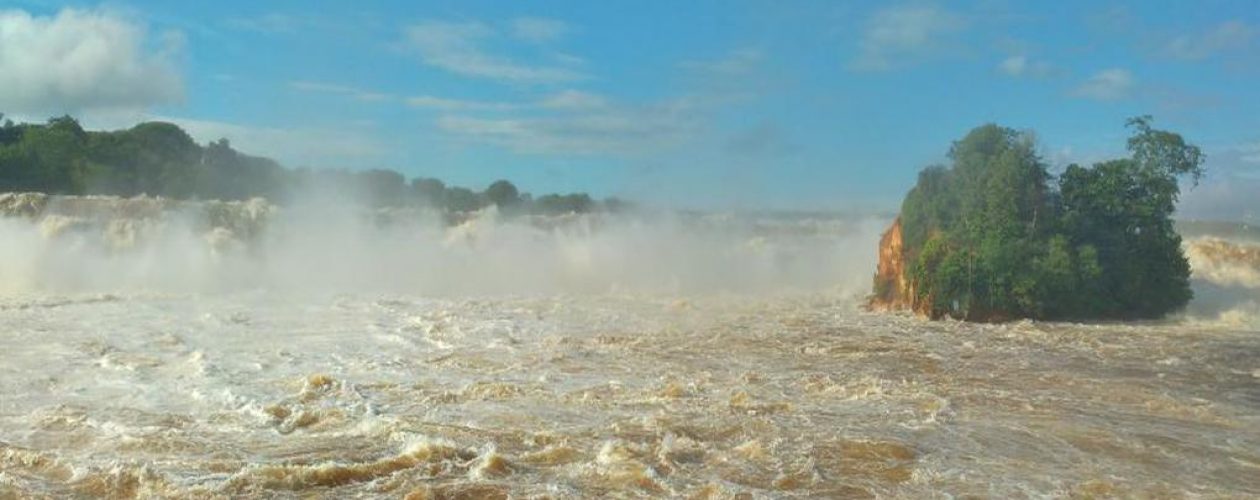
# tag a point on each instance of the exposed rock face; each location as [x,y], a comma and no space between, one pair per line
[893,289]
[892,286]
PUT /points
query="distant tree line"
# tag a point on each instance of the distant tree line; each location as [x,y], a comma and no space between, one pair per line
[994,236]
[161,159]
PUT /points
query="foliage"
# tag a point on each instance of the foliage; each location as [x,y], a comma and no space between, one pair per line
[562,204]
[503,194]
[989,237]
[161,159]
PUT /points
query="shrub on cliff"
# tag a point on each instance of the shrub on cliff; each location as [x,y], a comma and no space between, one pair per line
[991,237]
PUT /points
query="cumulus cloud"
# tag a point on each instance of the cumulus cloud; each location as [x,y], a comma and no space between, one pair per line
[82,60]
[1229,35]
[538,29]
[459,47]
[903,35]
[1107,85]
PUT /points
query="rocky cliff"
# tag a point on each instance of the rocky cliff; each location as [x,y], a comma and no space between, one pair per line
[892,286]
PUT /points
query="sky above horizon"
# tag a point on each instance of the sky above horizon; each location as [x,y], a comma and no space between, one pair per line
[807,105]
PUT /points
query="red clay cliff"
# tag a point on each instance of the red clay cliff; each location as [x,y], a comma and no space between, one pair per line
[892,284]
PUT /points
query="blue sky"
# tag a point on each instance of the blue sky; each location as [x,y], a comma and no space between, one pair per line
[717,104]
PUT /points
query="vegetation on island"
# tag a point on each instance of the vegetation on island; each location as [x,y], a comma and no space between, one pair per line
[994,236]
[161,159]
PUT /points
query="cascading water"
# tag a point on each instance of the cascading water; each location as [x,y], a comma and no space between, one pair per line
[179,349]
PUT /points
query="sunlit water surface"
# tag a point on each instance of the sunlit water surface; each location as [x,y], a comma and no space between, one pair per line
[158,349]
[708,396]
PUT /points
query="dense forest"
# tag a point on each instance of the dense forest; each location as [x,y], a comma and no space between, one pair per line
[161,159]
[995,236]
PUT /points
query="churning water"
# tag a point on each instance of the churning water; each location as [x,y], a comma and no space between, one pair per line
[226,350]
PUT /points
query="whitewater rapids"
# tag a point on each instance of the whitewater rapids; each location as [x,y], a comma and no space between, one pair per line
[229,350]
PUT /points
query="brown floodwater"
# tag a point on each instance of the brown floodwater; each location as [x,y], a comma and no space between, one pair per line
[157,349]
[718,396]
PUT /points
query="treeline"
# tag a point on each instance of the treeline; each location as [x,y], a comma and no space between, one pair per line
[994,236]
[161,159]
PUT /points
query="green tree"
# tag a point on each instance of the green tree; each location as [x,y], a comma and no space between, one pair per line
[161,159]
[989,238]
[428,191]
[458,199]
[384,187]
[503,194]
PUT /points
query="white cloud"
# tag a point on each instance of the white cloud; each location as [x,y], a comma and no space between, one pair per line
[903,35]
[459,48]
[84,59]
[306,22]
[574,99]
[1229,186]
[273,23]
[418,101]
[1020,66]
[737,62]
[1250,153]
[1107,85]
[568,59]
[1222,197]
[538,29]
[608,131]
[1014,65]
[1229,35]
[432,102]
[565,100]
[763,139]
[332,88]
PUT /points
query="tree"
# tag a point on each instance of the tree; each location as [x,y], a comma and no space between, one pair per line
[458,199]
[384,187]
[554,204]
[503,194]
[428,191]
[1123,209]
[9,133]
[988,238]
[161,159]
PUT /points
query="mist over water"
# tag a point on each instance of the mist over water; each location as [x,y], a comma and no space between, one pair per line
[109,244]
[180,349]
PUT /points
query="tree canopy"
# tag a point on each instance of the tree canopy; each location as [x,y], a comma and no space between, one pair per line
[993,236]
[161,159]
